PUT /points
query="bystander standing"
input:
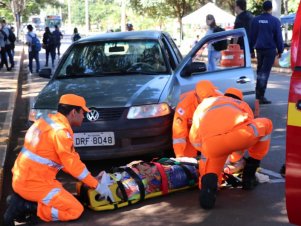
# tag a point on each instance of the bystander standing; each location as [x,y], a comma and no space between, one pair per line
[12,40]
[8,50]
[75,35]
[266,38]
[57,36]
[243,20]
[3,38]
[49,46]
[32,53]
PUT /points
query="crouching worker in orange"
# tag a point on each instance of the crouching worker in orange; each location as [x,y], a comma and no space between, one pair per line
[48,147]
[221,126]
[183,117]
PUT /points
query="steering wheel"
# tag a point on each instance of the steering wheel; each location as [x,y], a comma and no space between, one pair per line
[140,66]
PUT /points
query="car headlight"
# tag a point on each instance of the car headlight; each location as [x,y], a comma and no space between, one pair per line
[149,111]
[35,114]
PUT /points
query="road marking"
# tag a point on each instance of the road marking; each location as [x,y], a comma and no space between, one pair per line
[279,178]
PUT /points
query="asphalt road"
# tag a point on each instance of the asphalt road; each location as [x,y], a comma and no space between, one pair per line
[263,206]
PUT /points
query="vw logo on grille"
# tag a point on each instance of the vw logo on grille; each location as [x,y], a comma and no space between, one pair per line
[93,115]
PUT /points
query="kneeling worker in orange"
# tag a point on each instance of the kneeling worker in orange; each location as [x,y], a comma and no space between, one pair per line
[48,147]
[183,117]
[221,126]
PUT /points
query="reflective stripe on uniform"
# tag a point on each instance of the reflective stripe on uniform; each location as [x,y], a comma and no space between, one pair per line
[265,138]
[223,105]
[54,214]
[39,159]
[203,158]
[179,140]
[84,174]
[197,144]
[50,195]
[254,129]
[201,114]
[52,123]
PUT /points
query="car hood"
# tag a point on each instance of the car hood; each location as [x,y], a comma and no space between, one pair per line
[113,91]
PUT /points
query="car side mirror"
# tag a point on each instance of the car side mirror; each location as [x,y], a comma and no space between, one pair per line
[45,73]
[194,67]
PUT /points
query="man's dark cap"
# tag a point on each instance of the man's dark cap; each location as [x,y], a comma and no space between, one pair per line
[267,5]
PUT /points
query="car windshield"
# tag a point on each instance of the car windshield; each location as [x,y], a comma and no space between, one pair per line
[114,57]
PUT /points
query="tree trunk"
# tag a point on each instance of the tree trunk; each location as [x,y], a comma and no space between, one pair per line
[181,29]
[17,18]
[285,4]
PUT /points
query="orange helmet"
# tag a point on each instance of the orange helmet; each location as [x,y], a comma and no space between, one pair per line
[205,89]
[235,92]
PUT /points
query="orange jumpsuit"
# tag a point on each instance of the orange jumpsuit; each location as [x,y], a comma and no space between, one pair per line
[48,147]
[182,123]
[223,125]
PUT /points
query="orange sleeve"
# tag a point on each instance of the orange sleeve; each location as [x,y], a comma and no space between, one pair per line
[194,134]
[70,159]
[179,132]
[246,108]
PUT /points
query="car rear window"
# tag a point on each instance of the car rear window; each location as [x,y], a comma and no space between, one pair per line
[114,57]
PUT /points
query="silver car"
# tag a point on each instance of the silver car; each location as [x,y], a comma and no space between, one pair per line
[132,82]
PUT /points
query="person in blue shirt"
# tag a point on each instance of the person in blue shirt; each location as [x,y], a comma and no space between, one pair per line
[266,38]
[57,36]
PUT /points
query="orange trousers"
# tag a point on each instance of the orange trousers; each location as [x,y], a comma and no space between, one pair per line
[216,149]
[54,202]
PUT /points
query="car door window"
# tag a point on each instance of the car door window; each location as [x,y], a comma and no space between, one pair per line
[220,54]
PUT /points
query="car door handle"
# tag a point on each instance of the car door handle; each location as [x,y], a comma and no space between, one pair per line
[243,79]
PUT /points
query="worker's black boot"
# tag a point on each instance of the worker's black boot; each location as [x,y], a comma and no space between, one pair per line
[249,180]
[19,210]
[208,191]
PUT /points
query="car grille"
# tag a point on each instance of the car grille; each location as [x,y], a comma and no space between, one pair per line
[108,114]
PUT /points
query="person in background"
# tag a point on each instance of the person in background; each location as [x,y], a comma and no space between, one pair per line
[213,55]
[57,37]
[266,38]
[13,40]
[129,27]
[223,125]
[243,20]
[8,50]
[197,39]
[49,46]
[3,50]
[32,54]
[75,35]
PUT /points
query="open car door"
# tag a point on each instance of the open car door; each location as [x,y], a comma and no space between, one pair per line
[229,65]
[293,132]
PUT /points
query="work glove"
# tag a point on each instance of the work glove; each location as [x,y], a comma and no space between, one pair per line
[104,181]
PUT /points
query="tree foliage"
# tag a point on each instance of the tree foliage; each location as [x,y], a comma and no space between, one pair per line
[24,8]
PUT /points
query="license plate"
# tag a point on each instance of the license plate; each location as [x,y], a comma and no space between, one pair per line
[94,139]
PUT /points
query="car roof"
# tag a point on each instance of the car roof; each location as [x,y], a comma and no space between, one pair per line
[128,35]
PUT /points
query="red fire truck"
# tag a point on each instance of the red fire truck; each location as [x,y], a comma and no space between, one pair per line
[293,133]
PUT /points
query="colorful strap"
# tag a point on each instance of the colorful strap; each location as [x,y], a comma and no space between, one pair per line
[164,181]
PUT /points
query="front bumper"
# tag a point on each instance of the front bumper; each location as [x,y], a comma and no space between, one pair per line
[132,137]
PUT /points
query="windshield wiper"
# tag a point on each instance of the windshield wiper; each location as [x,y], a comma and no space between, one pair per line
[75,76]
[141,72]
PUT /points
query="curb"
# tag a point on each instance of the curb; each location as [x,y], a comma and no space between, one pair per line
[9,120]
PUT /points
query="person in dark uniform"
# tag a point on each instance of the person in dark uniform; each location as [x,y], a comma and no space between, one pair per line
[243,19]
[266,38]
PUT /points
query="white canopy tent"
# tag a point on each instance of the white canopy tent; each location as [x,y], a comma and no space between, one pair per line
[198,17]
